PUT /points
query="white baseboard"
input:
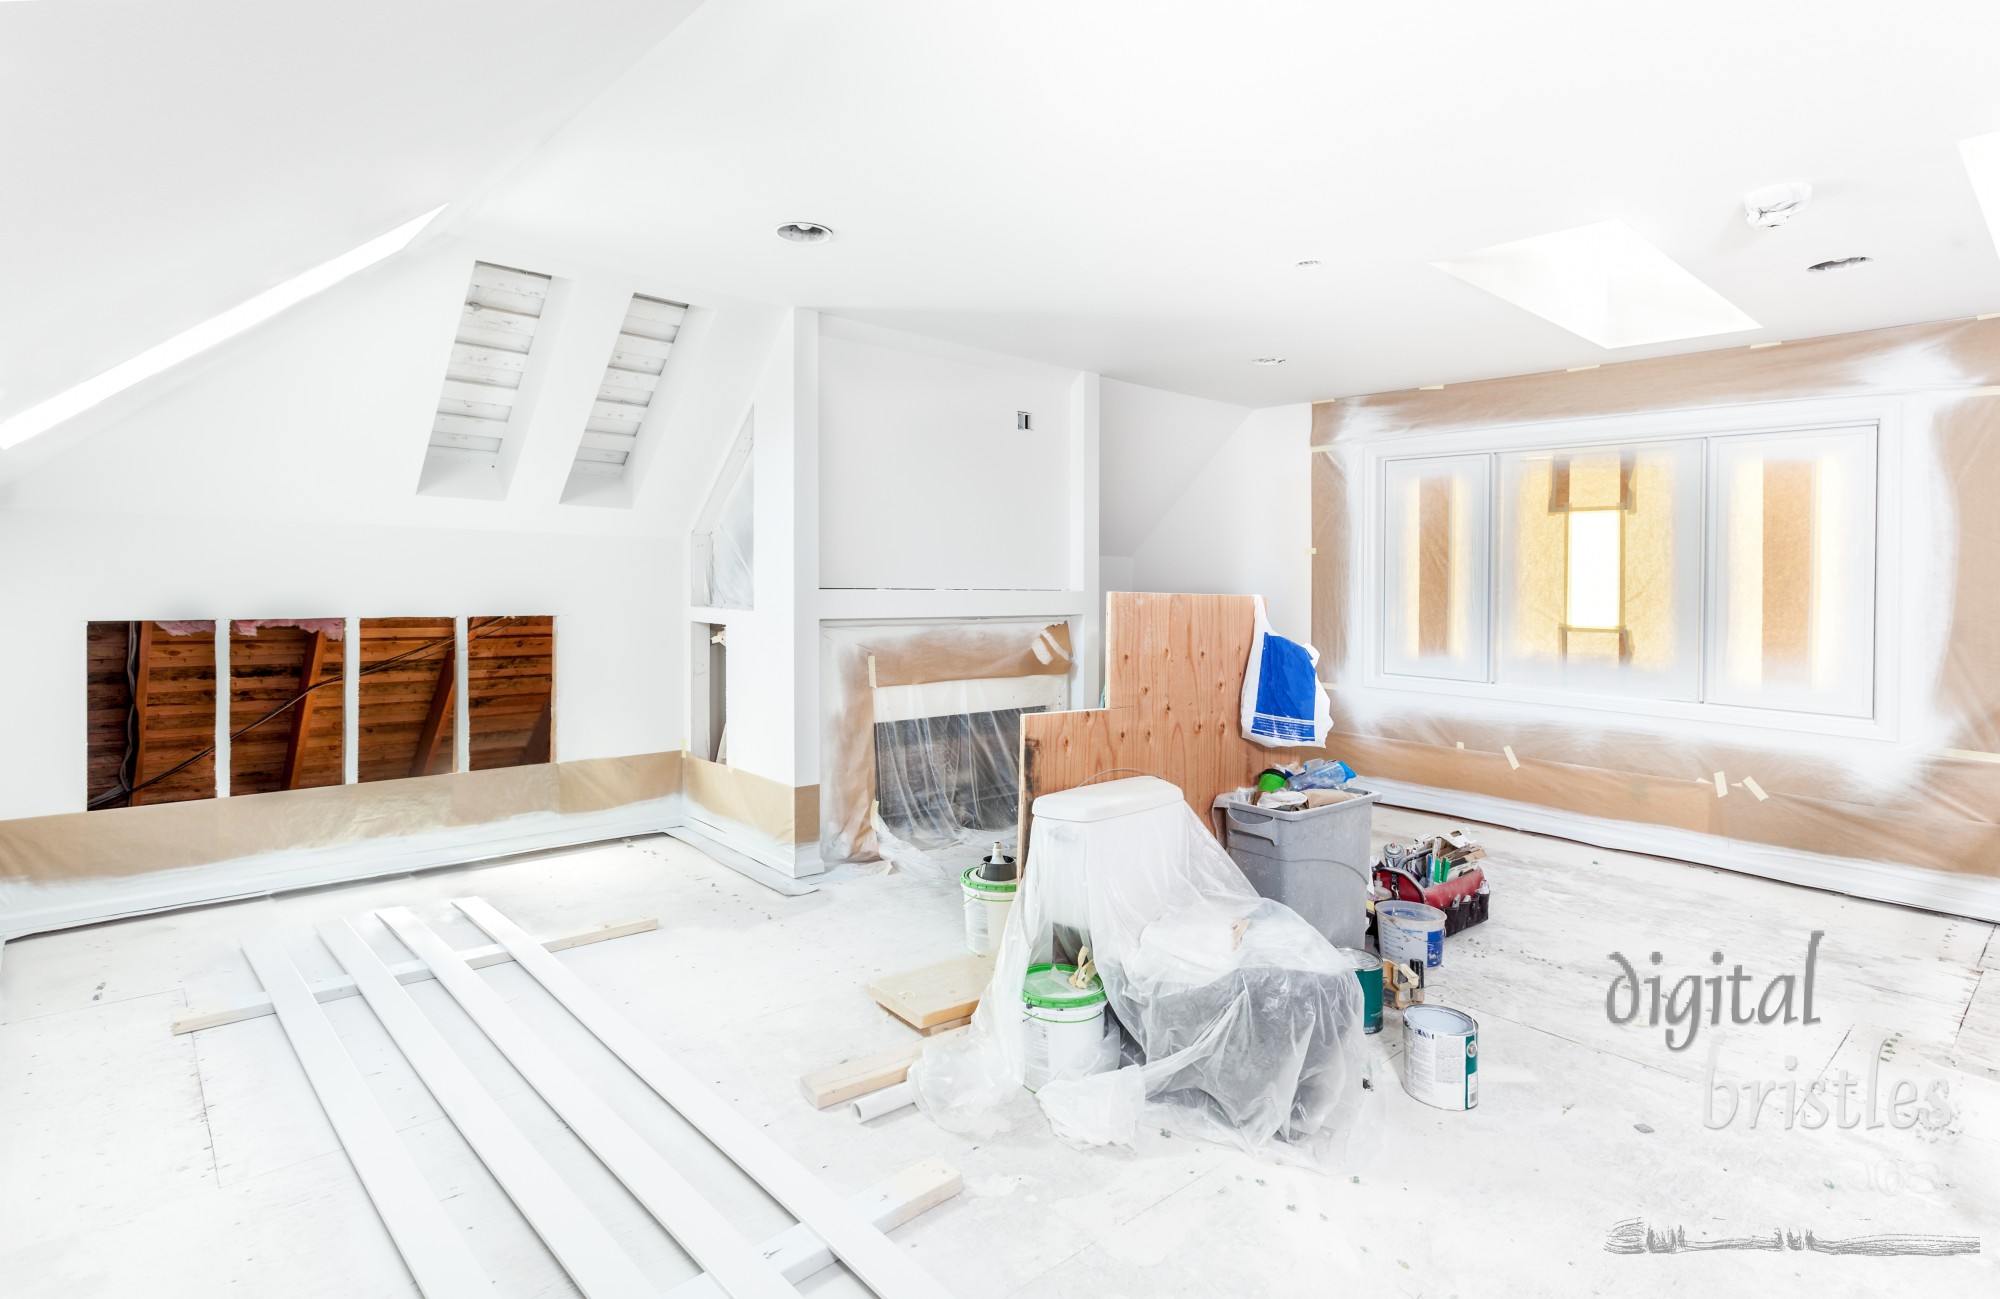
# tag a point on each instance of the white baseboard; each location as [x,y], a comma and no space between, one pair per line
[696,836]
[796,861]
[37,908]
[1974,896]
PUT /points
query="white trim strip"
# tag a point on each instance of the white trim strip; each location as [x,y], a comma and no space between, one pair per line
[797,1253]
[578,1240]
[325,990]
[430,1244]
[672,1199]
[866,1251]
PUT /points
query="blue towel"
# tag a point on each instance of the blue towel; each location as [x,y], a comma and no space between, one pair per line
[1284,705]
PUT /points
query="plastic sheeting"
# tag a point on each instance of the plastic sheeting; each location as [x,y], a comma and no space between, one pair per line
[1924,793]
[731,583]
[1240,1023]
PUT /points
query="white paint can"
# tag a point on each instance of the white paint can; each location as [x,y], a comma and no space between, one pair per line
[1062,1026]
[1441,1057]
[986,905]
[1410,931]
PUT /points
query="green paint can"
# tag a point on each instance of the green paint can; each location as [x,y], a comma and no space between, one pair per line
[1368,969]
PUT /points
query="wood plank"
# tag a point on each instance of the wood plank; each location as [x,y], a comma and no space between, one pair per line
[431,1246]
[797,1253]
[935,994]
[669,1197]
[258,1005]
[886,1270]
[578,1240]
[142,692]
[858,1077]
[302,712]
[436,717]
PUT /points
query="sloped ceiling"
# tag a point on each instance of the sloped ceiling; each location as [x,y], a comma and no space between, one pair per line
[162,162]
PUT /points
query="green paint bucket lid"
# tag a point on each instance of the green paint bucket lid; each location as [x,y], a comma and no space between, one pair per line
[971,880]
[1048,986]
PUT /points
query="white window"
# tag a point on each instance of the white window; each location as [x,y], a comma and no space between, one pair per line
[1698,572]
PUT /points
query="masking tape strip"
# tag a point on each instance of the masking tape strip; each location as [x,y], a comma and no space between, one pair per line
[1512,761]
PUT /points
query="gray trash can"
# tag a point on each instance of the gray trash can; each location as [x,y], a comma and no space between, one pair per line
[1316,860]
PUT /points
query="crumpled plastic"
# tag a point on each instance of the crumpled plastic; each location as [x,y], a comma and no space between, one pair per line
[1232,1019]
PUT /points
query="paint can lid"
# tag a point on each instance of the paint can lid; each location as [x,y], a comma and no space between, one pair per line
[974,879]
[1048,986]
[1440,1019]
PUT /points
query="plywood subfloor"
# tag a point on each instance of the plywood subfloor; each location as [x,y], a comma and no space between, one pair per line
[133,1162]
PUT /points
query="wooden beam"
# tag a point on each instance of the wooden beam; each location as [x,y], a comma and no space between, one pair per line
[295,752]
[537,748]
[439,717]
[142,689]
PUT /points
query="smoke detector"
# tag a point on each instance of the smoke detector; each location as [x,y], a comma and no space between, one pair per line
[1773,205]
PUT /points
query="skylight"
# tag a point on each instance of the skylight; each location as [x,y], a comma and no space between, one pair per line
[1603,282]
[631,377]
[46,415]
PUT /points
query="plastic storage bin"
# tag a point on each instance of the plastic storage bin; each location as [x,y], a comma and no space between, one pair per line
[1316,861]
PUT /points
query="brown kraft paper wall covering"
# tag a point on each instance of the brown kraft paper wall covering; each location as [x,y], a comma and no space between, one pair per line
[121,842]
[1940,813]
[907,657]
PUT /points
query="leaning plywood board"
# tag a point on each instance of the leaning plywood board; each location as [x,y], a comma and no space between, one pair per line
[858,1077]
[863,1248]
[935,995]
[1173,688]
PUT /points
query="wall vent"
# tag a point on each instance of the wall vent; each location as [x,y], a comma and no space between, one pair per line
[482,381]
[631,377]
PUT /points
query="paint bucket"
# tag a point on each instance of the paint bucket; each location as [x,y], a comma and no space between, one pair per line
[1062,1026]
[1410,931]
[1441,1057]
[1368,969]
[989,890]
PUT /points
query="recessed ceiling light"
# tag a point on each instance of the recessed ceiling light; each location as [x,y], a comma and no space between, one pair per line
[1839,263]
[1310,261]
[162,356]
[805,232]
[1603,282]
[1267,360]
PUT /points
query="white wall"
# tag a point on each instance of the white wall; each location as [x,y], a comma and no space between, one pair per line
[1243,526]
[1154,443]
[924,480]
[277,477]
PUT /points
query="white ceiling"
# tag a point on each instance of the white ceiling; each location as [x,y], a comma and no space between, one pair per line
[164,162]
[1124,185]
[1121,186]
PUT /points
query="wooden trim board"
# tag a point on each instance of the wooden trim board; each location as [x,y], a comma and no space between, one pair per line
[704,1233]
[866,1251]
[934,995]
[324,990]
[858,1077]
[579,1241]
[797,1253]
[429,1242]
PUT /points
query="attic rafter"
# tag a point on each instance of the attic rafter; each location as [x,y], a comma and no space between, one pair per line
[295,751]
[142,689]
[440,713]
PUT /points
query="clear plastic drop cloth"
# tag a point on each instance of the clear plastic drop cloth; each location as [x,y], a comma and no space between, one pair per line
[1232,1019]
[731,548]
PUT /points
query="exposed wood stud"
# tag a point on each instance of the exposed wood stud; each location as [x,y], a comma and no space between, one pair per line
[142,691]
[302,711]
[439,716]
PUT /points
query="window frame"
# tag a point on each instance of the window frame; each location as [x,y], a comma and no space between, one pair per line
[1882,416]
